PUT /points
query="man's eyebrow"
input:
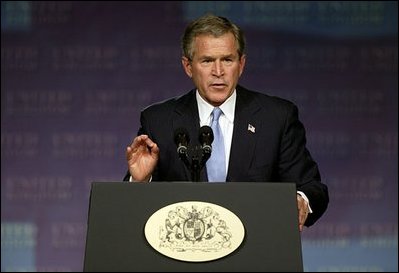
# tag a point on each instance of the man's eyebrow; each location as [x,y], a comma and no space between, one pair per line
[213,58]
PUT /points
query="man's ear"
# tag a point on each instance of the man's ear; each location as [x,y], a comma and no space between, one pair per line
[242,63]
[187,66]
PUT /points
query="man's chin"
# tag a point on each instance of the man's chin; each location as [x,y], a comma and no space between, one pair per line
[219,99]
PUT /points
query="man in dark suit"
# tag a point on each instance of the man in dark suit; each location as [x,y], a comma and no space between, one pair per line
[263,140]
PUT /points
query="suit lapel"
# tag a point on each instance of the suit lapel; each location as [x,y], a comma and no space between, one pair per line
[186,114]
[244,135]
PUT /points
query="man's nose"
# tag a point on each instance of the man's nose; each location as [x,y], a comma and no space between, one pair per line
[218,69]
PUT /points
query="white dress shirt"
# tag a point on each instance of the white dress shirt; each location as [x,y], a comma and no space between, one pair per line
[226,120]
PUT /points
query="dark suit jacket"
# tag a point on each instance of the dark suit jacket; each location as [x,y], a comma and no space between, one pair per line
[275,152]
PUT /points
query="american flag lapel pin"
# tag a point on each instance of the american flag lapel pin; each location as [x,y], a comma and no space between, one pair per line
[251,128]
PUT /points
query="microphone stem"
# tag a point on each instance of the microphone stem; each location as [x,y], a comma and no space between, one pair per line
[195,170]
[183,156]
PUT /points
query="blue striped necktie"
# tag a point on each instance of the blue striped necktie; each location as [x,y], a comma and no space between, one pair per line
[216,164]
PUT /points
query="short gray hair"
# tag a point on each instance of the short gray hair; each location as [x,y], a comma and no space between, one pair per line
[211,25]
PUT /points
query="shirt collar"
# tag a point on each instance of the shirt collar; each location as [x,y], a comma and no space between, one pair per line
[205,109]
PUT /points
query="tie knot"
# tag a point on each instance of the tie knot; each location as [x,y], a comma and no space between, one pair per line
[216,113]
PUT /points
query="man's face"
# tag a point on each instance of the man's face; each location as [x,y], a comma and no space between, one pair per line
[215,67]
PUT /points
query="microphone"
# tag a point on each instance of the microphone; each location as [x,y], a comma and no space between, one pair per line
[181,139]
[206,139]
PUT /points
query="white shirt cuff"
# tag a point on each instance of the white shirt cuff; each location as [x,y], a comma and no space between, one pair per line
[131,179]
[306,199]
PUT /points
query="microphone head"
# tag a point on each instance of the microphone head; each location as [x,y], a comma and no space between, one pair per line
[205,135]
[181,136]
